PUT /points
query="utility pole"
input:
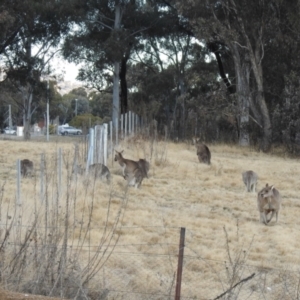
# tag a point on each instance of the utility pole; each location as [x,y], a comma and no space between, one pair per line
[9,117]
[76,107]
[48,110]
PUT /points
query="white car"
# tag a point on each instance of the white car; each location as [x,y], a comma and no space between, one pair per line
[8,130]
[65,130]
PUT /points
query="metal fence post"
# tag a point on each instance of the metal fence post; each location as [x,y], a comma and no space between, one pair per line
[180,263]
[117,131]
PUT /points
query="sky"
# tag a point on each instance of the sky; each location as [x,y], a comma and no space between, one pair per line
[70,70]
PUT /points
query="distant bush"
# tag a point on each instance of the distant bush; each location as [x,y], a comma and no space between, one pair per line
[52,129]
[85,121]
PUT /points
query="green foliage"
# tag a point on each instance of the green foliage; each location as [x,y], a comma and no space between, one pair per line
[85,121]
[52,129]
[100,105]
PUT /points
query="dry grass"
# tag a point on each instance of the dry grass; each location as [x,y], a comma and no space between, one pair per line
[180,192]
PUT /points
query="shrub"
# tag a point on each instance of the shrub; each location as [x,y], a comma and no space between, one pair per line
[86,121]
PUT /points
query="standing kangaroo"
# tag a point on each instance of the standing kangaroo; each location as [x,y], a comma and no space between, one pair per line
[268,200]
[144,166]
[133,171]
[26,167]
[203,152]
[250,180]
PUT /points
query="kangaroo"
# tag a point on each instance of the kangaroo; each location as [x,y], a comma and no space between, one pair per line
[250,180]
[26,167]
[144,166]
[268,200]
[132,170]
[101,171]
[97,170]
[203,153]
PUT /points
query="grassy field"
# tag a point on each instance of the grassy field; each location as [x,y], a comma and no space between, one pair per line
[209,201]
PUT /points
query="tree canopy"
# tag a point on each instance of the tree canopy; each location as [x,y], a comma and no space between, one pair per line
[225,71]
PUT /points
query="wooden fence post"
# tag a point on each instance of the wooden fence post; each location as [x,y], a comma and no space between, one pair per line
[59,170]
[19,202]
[180,263]
[42,170]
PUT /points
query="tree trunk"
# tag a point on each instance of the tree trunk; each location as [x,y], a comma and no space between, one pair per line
[215,48]
[266,123]
[256,54]
[242,71]
[27,119]
[261,101]
[123,83]
[182,102]
[116,99]
[116,75]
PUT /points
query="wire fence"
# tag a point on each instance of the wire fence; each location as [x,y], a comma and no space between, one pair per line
[149,271]
[62,258]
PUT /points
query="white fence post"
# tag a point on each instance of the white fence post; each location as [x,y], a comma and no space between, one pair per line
[98,144]
[90,159]
[133,116]
[129,123]
[111,140]
[105,144]
[136,123]
[117,131]
[101,152]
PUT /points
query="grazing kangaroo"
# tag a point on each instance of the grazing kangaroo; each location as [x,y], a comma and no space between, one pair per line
[268,200]
[134,172]
[101,171]
[26,167]
[98,170]
[203,152]
[250,180]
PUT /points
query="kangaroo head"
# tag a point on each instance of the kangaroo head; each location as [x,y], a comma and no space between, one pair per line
[118,155]
[267,191]
[195,140]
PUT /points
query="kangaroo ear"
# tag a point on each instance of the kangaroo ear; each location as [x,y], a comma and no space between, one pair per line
[122,151]
[272,187]
[267,185]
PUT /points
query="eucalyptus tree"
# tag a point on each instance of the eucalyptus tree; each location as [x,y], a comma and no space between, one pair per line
[174,54]
[281,68]
[41,26]
[107,35]
[100,105]
[98,41]
[10,24]
[245,29]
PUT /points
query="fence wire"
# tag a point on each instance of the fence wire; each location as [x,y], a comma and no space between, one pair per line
[148,271]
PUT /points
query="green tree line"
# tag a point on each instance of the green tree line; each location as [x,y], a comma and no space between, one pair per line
[225,71]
